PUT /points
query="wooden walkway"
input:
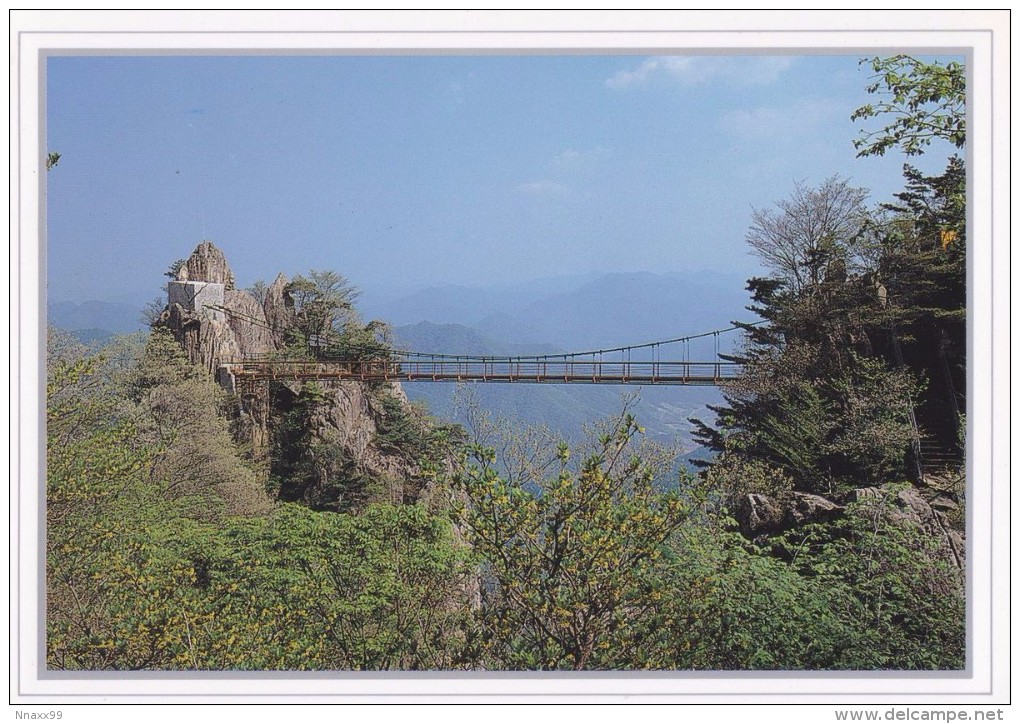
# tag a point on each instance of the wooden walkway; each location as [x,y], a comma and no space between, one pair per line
[549,370]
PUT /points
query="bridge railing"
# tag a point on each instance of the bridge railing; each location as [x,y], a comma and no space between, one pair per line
[493,369]
[568,370]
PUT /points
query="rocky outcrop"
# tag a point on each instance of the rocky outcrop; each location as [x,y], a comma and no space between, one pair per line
[343,427]
[212,336]
[207,341]
[208,264]
[909,506]
[248,325]
[349,421]
[278,309]
[759,515]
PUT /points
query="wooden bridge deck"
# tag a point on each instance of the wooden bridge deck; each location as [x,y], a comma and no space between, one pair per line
[478,369]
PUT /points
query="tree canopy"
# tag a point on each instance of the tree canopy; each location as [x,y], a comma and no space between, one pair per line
[924,100]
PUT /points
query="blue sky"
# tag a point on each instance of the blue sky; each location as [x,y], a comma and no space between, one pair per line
[408,171]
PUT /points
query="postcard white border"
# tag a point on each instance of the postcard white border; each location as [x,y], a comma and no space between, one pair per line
[983,35]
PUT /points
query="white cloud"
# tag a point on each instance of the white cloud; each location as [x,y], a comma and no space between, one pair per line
[765,69]
[627,78]
[757,122]
[766,121]
[575,160]
[568,156]
[691,70]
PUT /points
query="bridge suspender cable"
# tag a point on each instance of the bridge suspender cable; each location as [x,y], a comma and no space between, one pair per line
[624,351]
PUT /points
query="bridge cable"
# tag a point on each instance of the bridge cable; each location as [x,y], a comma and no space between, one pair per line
[626,350]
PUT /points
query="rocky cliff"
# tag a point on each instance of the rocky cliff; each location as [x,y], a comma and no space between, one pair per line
[761,516]
[233,329]
[333,436]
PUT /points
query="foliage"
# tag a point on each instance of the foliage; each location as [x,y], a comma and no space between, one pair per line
[259,290]
[597,568]
[163,551]
[923,260]
[408,431]
[52,159]
[175,269]
[309,462]
[811,402]
[136,456]
[923,269]
[903,602]
[326,323]
[732,478]
[319,591]
[925,100]
[184,420]
[97,476]
[854,364]
[567,568]
[144,572]
[323,303]
[293,473]
[728,605]
[811,236]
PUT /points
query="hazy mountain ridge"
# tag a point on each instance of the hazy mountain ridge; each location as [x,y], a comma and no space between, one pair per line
[464,303]
[616,309]
[461,339]
[103,315]
[566,409]
[633,308]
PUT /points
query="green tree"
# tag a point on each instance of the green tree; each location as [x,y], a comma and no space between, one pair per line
[300,590]
[326,322]
[323,305]
[813,400]
[813,235]
[902,602]
[105,592]
[925,100]
[729,605]
[184,419]
[922,267]
[139,465]
[569,567]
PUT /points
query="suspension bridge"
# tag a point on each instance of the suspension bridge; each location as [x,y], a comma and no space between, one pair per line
[664,362]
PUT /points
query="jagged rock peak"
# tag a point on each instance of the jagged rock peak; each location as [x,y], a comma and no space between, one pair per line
[208,264]
[279,308]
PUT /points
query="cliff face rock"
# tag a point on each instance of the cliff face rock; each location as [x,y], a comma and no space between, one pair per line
[248,325]
[760,515]
[213,321]
[208,264]
[349,422]
[216,323]
[207,341]
[278,309]
[911,507]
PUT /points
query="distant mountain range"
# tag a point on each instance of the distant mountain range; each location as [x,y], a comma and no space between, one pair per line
[581,313]
[96,315]
[577,314]
[627,308]
[463,304]
[461,339]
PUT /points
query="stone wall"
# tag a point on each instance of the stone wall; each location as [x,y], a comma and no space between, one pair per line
[199,297]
